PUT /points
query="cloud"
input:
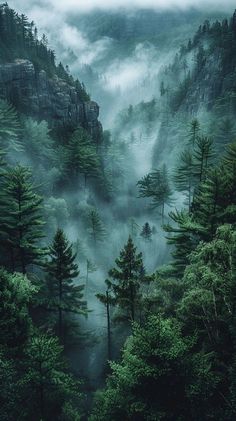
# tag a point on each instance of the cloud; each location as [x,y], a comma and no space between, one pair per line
[77,6]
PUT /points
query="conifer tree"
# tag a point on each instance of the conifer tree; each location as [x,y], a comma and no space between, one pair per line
[126,279]
[81,156]
[156,185]
[202,155]
[96,229]
[46,385]
[21,221]
[63,296]
[146,232]
[9,126]
[194,131]
[184,176]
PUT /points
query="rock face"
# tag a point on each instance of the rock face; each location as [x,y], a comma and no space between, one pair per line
[44,98]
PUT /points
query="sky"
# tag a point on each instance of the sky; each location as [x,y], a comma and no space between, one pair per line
[68,6]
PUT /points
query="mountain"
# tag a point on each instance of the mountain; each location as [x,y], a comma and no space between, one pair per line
[32,81]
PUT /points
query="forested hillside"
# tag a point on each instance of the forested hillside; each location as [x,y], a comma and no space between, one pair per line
[117,248]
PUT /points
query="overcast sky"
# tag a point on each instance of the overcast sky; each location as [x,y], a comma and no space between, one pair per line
[87,5]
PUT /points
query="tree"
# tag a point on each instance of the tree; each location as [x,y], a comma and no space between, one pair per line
[46,385]
[127,279]
[81,156]
[21,221]
[96,229]
[9,126]
[146,233]
[37,142]
[194,131]
[16,292]
[184,176]
[151,380]
[63,296]
[107,300]
[156,186]
[202,154]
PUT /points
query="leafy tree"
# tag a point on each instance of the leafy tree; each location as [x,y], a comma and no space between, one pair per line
[21,222]
[146,233]
[127,279]
[63,296]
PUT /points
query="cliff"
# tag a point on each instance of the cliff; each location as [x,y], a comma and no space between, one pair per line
[44,98]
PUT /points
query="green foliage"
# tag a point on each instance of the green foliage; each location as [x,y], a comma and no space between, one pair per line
[46,386]
[156,186]
[21,222]
[9,127]
[81,156]
[16,292]
[146,232]
[97,232]
[127,278]
[63,296]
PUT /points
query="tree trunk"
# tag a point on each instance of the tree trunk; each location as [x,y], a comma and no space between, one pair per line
[108,327]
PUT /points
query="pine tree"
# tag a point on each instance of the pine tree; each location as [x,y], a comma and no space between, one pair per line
[202,155]
[146,232]
[194,131]
[21,221]
[156,186]
[96,229]
[81,156]
[126,279]
[184,176]
[46,385]
[63,296]
[9,126]
[107,300]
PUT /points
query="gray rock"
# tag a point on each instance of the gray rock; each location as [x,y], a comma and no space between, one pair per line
[45,98]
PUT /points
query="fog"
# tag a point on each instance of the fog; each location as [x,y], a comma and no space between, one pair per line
[118,73]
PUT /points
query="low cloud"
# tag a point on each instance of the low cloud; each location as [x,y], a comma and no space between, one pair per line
[75,6]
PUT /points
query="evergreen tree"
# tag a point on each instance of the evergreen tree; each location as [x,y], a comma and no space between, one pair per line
[96,229]
[63,296]
[194,131]
[127,279]
[46,384]
[81,156]
[184,176]
[21,222]
[146,233]
[9,126]
[156,186]
[202,154]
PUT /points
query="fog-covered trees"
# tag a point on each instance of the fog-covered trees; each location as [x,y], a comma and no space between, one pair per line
[156,186]
[126,279]
[96,228]
[21,221]
[63,296]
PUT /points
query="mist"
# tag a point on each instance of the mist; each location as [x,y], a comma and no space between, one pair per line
[119,73]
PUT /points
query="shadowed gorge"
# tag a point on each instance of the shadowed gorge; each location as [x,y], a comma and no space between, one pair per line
[117,211]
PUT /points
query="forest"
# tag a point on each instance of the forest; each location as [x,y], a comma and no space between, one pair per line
[118,238]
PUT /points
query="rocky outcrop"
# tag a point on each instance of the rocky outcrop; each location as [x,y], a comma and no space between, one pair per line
[45,98]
